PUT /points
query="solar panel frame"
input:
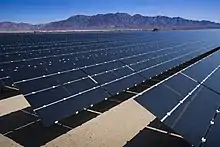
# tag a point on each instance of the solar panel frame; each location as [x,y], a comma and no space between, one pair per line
[183,120]
[48,115]
[182,116]
[67,56]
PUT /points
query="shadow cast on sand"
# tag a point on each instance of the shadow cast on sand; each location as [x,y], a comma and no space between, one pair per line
[27,130]
[153,138]
[25,127]
[7,93]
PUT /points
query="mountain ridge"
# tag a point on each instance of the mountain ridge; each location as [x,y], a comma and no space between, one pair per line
[111,21]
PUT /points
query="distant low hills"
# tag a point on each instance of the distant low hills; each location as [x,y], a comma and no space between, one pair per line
[112,21]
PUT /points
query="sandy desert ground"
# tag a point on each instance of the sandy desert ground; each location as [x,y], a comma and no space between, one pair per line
[112,128]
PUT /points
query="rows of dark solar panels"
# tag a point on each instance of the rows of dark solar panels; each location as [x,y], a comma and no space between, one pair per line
[189,102]
[62,74]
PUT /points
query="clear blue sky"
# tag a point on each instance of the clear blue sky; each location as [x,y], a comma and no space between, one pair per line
[41,11]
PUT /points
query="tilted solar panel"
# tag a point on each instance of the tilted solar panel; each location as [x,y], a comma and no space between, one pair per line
[61,75]
[212,139]
[193,117]
[186,104]
[5,79]
[211,82]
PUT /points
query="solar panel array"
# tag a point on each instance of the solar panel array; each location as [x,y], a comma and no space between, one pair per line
[4,79]
[189,102]
[62,74]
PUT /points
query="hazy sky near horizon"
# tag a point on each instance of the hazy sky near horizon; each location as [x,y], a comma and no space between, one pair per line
[42,11]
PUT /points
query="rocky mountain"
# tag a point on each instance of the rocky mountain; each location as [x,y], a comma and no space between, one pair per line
[11,26]
[112,21]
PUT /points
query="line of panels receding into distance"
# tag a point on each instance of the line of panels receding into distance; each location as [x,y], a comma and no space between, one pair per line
[189,102]
[60,40]
[28,40]
[68,42]
[84,43]
[86,89]
[142,57]
[72,46]
[18,65]
[29,65]
[84,76]
[60,53]
[57,52]
[69,62]
[76,76]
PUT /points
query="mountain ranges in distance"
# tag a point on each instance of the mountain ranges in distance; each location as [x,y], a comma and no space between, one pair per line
[112,21]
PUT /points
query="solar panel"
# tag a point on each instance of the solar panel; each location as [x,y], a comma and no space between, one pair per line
[182,88]
[211,82]
[193,117]
[5,80]
[39,84]
[212,137]
[1,85]
[205,67]
[103,67]
[39,99]
[157,104]
[70,105]
[123,83]
[2,75]
[69,73]
[186,105]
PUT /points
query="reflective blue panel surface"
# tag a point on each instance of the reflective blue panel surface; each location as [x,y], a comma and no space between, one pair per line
[50,67]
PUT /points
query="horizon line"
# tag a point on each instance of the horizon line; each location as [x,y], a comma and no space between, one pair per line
[25,22]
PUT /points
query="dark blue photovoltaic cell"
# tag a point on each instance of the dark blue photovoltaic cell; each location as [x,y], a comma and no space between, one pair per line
[123,84]
[137,59]
[102,56]
[80,86]
[194,54]
[50,67]
[37,84]
[193,117]
[2,74]
[122,72]
[12,66]
[27,73]
[84,60]
[213,136]
[53,113]
[1,83]
[54,94]
[48,96]
[104,67]
[159,100]
[5,79]
[200,70]
[7,82]
[212,82]
[144,65]
[54,65]
[70,76]
[199,52]
[181,84]
[105,77]
[16,120]
[158,69]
